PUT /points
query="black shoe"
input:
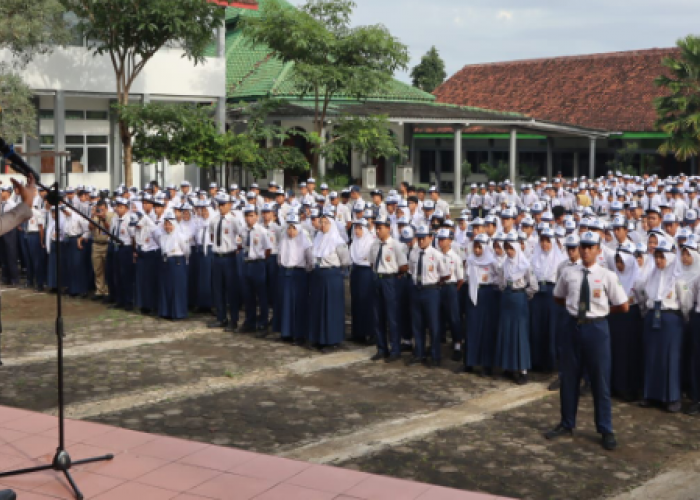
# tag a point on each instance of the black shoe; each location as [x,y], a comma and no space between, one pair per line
[693,409]
[457,355]
[609,442]
[217,324]
[559,431]
[644,403]
[230,328]
[328,349]
[114,306]
[393,358]
[486,372]
[261,333]
[555,385]
[379,355]
[406,348]
[128,308]
[40,289]
[462,369]
[432,363]
[97,298]
[674,407]
[413,360]
[521,378]
[244,329]
[586,389]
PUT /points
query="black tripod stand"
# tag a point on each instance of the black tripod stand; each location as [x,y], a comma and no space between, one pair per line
[62,461]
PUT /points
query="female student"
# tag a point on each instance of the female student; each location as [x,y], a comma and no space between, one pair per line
[175,248]
[513,343]
[361,282]
[327,312]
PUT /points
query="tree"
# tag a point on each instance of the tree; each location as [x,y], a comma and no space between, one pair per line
[330,57]
[133,31]
[679,110]
[278,157]
[496,173]
[27,28]
[430,72]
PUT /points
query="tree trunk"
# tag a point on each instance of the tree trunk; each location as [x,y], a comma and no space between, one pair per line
[128,156]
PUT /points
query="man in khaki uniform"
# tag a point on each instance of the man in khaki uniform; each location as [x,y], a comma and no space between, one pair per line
[100,240]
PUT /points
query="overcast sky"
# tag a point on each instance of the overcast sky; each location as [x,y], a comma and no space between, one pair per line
[477,31]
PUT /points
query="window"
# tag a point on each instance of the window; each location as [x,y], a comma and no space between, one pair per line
[97,159]
[75,139]
[88,153]
[96,115]
[97,139]
[46,140]
[74,114]
[46,114]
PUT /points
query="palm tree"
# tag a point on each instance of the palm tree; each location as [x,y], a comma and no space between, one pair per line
[679,110]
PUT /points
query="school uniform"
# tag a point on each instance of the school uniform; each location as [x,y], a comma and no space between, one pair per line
[585,340]
[362,288]
[386,259]
[693,344]
[172,302]
[272,262]
[52,246]
[449,299]
[78,278]
[123,262]
[427,267]
[148,264]
[627,349]
[291,315]
[35,253]
[225,283]
[327,312]
[204,261]
[404,285]
[9,249]
[255,248]
[482,311]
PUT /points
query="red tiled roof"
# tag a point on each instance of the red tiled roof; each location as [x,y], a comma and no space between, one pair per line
[612,91]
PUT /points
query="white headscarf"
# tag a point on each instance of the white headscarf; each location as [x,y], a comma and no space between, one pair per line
[691,272]
[662,281]
[487,258]
[630,275]
[515,268]
[326,243]
[545,264]
[293,249]
[359,248]
[174,240]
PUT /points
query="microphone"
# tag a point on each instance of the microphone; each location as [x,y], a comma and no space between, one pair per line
[17,162]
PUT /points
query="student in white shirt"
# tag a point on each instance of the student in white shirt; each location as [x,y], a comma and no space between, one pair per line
[123,257]
[256,249]
[175,250]
[223,230]
[449,293]
[361,283]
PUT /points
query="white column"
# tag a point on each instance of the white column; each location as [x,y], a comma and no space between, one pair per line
[550,157]
[59,133]
[458,165]
[513,155]
[322,160]
[591,159]
[355,165]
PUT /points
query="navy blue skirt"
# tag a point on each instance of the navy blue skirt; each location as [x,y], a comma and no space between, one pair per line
[291,318]
[192,276]
[543,330]
[173,288]
[627,346]
[662,358]
[513,344]
[482,326]
[693,362]
[327,320]
[204,298]
[147,287]
[362,302]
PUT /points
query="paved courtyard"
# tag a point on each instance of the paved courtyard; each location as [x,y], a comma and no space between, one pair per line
[182,380]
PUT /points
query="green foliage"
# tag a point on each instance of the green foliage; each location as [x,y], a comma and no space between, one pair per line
[282,157]
[330,56]
[17,111]
[31,27]
[336,182]
[183,133]
[370,136]
[131,32]
[430,72]
[497,173]
[679,111]
[625,158]
[466,170]
[528,173]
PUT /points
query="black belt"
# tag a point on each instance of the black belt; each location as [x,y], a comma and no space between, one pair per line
[428,287]
[387,276]
[223,254]
[588,321]
[326,268]
[542,283]
[516,290]
[292,268]
[487,285]
[253,261]
[451,285]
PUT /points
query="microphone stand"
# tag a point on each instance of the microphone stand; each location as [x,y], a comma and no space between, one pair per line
[62,461]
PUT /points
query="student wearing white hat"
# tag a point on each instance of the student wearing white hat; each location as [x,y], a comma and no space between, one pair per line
[148,258]
[474,201]
[589,293]
[225,286]
[449,294]
[256,249]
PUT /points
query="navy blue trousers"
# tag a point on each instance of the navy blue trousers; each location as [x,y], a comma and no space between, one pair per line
[327,319]
[586,347]
[148,271]
[255,294]
[77,278]
[271,270]
[9,256]
[292,304]
[204,299]
[403,299]
[449,313]
[173,288]
[52,275]
[386,317]
[662,358]
[482,328]
[192,275]
[694,358]
[425,309]
[225,287]
[123,276]
[543,351]
[361,301]
[36,274]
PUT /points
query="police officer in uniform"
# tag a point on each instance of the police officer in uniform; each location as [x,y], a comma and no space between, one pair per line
[587,291]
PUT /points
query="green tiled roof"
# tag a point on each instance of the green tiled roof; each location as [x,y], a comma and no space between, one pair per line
[252,72]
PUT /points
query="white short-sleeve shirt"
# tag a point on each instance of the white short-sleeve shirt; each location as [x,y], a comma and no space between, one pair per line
[604,285]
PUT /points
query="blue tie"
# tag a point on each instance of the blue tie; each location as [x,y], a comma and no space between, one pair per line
[379,257]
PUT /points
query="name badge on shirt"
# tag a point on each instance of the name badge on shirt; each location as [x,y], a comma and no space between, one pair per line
[255,241]
[123,231]
[484,278]
[388,258]
[430,269]
[225,231]
[597,293]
